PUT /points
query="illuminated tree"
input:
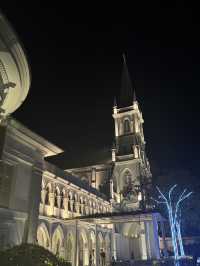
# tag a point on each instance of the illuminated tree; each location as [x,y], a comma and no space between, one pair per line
[173,206]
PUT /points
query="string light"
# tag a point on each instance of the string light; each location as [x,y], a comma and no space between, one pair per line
[174,213]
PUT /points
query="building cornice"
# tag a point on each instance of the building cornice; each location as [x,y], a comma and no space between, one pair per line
[26,136]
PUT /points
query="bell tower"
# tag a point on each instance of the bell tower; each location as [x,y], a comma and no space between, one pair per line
[131,175]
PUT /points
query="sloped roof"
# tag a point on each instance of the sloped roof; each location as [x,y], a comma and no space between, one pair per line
[72,179]
[82,158]
[126,95]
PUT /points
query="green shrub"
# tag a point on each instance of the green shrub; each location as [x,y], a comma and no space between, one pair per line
[30,255]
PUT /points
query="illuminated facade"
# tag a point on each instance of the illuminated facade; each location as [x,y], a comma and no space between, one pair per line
[63,209]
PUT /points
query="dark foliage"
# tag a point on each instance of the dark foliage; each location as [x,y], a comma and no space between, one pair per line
[30,255]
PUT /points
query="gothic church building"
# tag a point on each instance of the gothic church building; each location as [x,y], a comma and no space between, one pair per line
[64,210]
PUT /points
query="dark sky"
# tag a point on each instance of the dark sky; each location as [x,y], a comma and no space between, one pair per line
[76,72]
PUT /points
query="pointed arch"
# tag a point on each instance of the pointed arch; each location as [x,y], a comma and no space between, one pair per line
[57,240]
[43,238]
[83,248]
[126,177]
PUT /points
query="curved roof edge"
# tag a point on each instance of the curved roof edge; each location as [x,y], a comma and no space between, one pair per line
[18,60]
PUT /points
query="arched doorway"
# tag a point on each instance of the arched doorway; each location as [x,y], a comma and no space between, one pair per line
[43,236]
[57,241]
[131,232]
[83,249]
[135,241]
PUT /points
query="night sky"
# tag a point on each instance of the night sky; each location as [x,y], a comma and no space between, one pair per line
[76,72]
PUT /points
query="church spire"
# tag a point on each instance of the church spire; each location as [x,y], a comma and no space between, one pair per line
[126,96]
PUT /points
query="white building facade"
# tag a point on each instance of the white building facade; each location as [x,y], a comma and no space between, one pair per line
[63,210]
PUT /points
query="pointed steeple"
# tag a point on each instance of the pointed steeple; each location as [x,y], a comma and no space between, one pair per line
[126,96]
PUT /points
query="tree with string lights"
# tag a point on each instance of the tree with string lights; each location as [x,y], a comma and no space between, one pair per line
[173,205]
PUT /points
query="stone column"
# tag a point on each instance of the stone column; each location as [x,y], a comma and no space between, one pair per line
[111,189]
[163,239]
[51,202]
[75,263]
[148,243]
[65,203]
[43,197]
[113,243]
[116,128]
[71,205]
[87,210]
[59,204]
[82,208]
[96,246]
[77,205]
[34,203]
[154,238]
[143,246]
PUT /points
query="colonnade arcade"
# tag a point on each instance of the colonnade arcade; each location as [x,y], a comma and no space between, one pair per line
[76,244]
[67,201]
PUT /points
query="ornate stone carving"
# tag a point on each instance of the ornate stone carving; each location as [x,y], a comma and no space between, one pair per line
[65,203]
[59,201]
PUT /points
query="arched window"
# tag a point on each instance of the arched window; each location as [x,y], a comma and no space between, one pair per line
[127,128]
[43,236]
